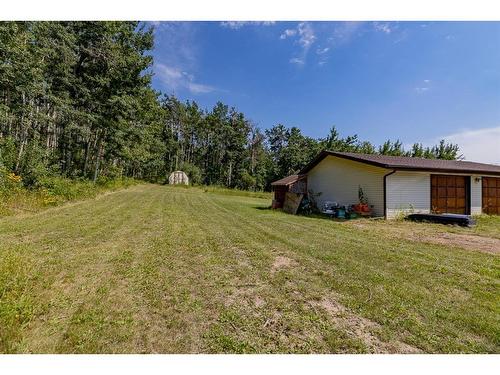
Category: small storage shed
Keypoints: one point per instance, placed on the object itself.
(178, 177)
(295, 183)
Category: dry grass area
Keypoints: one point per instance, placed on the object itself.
(155, 269)
(484, 237)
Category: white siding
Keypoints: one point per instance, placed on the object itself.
(476, 195)
(408, 192)
(339, 179)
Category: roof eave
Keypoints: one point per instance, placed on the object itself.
(323, 154)
(300, 176)
(445, 170)
(326, 153)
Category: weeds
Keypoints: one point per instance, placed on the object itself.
(50, 191)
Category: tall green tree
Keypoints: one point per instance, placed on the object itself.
(76, 101)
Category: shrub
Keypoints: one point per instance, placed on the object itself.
(193, 172)
(247, 181)
(50, 191)
(9, 183)
(33, 166)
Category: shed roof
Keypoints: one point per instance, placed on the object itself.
(288, 180)
(409, 163)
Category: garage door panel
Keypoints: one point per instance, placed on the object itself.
(449, 193)
(491, 195)
(441, 202)
(451, 202)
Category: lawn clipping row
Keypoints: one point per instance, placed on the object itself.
(157, 269)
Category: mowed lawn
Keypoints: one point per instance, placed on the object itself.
(156, 269)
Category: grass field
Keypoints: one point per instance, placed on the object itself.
(156, 269)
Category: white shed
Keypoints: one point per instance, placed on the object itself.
(395, 184)
(178, 178)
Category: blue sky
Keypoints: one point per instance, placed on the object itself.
(413, 81)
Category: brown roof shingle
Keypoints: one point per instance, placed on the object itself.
(410, 163)
(287, 180)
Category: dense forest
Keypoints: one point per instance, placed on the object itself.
(76, 101)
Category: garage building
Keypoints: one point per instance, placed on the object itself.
(395, 185)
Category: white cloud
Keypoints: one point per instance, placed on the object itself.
(235, 25)
(321, 51)
(297, 60)
(176, 44)
(330, 35)
(305, 37)
(398, 33)
(383, 27)
(322, 57)
(424, 87)
(198, 88)
(178, 56)
(344, 32)
(480, 145)
(306, 34)
(288, 33)
(175, 78)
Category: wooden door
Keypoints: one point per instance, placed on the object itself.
(449, 194)
(491, 195)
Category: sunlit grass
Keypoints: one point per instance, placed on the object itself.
(163, 269)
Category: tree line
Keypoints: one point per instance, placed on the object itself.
(76, 101)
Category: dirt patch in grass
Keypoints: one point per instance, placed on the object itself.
(432, 234)
(259, 302)
(465, 241)
(281, 262)
(242, 294)
(361, 328)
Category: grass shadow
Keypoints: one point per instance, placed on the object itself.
(263, 208)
